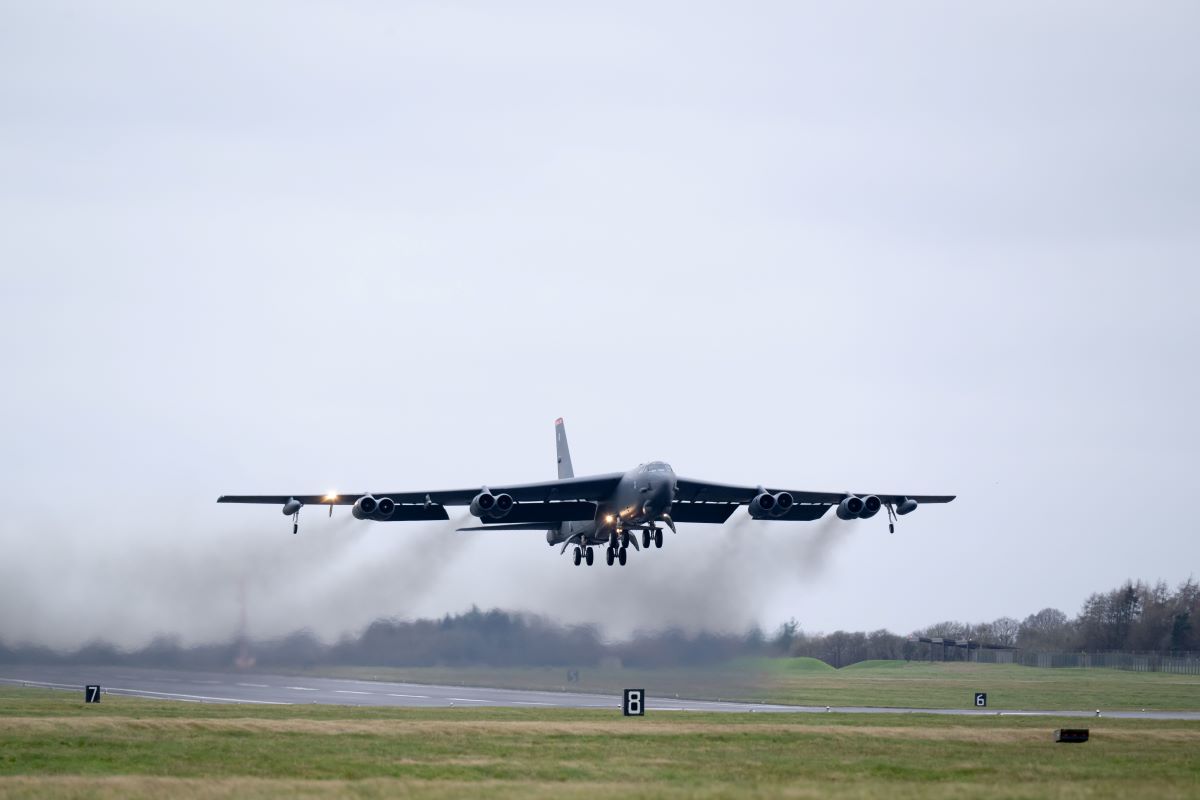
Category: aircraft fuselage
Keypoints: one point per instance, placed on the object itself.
(641, 498)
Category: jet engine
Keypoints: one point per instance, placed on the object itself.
(766, 505)
(496, 506)
(365, 507)
(871, 506)
(385, 507)
(850, 508)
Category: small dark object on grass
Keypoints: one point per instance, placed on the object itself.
(1071, 735)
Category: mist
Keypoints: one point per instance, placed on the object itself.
(75, 584)
(339, 574)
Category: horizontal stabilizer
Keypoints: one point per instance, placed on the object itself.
(514, 526)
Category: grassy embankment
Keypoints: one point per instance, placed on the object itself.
(51, 744)
(806, 681)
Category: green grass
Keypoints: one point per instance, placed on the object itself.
(805, 681)
(51, 744)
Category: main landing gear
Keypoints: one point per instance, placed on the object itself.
(584, 554)
(616, 554)
(652, 535)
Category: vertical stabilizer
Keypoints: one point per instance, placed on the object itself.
(565, 470)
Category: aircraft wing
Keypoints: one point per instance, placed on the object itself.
(588, 489)
(694, 491)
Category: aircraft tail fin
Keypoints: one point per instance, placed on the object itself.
(565, 470)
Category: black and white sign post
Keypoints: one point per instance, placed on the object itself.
(91, 694)
(981, 699)
(635, 703)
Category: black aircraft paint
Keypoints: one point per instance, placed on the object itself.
(604, 509)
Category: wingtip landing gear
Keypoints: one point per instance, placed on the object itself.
(295, 523)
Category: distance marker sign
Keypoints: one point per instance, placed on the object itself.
(981, 699)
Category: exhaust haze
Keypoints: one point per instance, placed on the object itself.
(338, 575)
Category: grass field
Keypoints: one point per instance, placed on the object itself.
(51, 744)
(806, 681)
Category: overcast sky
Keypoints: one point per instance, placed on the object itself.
(289, 247)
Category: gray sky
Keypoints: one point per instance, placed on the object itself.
(930, 247)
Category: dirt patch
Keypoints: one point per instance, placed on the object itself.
(120, 726)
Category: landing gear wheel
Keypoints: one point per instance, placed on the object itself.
(657, 538)
(578, 556)
(645, 539)
(608, 556)
(589, 556)
(621, 556)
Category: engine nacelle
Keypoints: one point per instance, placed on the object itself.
(906, 505)
(291, 506)
(850, 508)
(365, 507)
(762, 505)
(495, 506)
(769, 506)
(871, 506)
(385, 507)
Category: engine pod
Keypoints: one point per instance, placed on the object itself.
(364, 507)
(850, 508)
(871, 506)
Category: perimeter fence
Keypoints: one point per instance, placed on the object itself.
(1178, 663)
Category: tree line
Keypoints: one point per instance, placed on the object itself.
(1134, 617)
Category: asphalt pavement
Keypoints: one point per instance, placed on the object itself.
(256, 688)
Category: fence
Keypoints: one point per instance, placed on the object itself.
(1178, 663)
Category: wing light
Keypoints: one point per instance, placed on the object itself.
(330, 497)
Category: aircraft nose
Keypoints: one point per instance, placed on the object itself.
(660, 501)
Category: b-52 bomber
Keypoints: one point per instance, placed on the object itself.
(608, 510)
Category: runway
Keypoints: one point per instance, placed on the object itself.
(265, 689)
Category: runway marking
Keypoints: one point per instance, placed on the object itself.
(300, 688)
(348, 691)
(418, 696)
(469, 700)
(200, 697)
(255, 685)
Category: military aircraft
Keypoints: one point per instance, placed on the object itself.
(602, 509)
